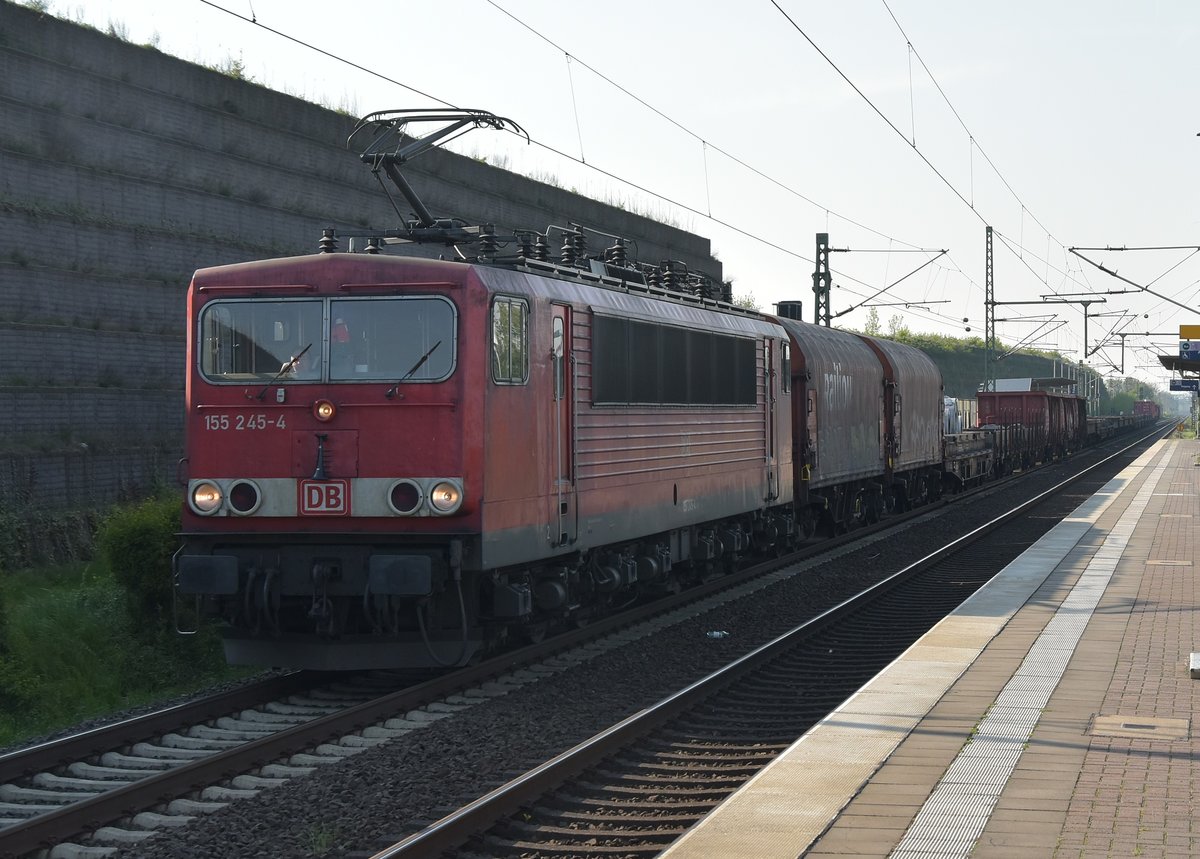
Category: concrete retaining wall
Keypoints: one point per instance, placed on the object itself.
(122, 170)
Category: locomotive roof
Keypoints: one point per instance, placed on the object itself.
(601, 293)
(631, 301)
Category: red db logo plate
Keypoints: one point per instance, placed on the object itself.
(324, 498)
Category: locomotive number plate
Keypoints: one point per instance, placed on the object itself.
(324, 498)
(244, 422)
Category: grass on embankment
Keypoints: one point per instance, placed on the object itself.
(71, 649)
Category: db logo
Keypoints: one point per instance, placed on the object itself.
(324, 497)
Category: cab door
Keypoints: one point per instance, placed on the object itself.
(564, 517)
(770, 404)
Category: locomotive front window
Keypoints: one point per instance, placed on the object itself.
(253, 340)
(392, 339)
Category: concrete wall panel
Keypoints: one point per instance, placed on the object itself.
(122, 171)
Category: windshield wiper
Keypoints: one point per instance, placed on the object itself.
(391, 392)
(286, 368)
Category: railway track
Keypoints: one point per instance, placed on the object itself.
(91, 794)
(94, 793)
(633, 789)
(58, 789)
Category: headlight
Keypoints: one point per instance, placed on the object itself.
(324, 410)
(405, 497)
(206, 498)
(244, 497)
(445, 497)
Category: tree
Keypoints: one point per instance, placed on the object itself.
(747, 301)
(1121, 404)
(873, 328)
(897, 330)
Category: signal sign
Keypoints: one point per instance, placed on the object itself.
(1189, 342)
(324, 497)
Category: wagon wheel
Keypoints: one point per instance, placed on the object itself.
(858, 510)
(875, 505)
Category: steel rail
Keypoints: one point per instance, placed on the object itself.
(65, 750)
(88, 814)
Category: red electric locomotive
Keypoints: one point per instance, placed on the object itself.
(398, 461)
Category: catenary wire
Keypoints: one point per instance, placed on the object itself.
(695, 135)
(934, 315)
(562, 154)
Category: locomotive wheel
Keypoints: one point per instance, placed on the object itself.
(533, 633)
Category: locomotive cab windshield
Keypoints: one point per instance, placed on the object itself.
(367, 339)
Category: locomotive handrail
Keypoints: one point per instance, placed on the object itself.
(265, 287)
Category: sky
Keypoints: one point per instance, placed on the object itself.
(899, 127)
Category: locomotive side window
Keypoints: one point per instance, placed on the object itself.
(636, 363)
(557, 344)
(510, 341)
(252, 340)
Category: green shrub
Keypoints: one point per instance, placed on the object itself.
(136, 543)
(54, 641)
(70, 651)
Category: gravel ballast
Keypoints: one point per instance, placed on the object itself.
(374, 797)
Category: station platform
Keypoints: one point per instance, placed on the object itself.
(1051, 715)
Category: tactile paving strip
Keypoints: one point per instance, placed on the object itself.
(952, 819)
